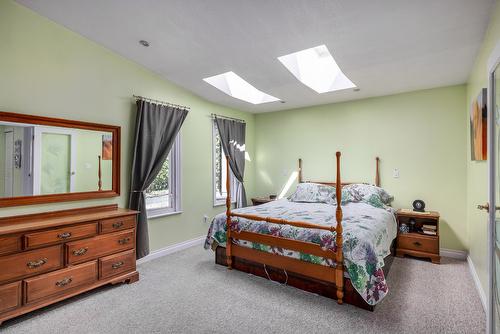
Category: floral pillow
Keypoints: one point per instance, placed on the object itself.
(349, 196)
(313, 193)
(373, 195)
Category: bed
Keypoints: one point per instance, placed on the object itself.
(339, 249)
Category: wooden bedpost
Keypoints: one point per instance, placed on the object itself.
(300, 170)
(229, 257)
(377, 172)
(339, 269)
(99, 175)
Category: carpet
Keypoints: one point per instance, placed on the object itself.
(186, 292)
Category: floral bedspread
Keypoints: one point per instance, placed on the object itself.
(367, 232)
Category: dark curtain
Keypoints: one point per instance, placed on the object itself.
(232, 134)
(155, 130)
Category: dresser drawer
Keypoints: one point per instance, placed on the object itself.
(60, 234)
(116, 264)
(89, 249)
(10, 244)
(59, 281)
(10, 296)
(30, 263)
(419, 243)
(117, 224)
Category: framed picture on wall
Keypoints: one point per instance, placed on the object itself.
(478, 127)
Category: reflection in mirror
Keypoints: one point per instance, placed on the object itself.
(41, 160)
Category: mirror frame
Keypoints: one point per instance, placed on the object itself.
(76, 196)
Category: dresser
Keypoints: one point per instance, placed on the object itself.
(48, 257)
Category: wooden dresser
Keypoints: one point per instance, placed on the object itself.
(48, 257)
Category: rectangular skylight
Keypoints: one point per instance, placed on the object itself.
(316, 68)
(233, 85)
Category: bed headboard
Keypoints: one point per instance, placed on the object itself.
(332, 183)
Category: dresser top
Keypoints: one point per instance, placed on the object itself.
(17, 224)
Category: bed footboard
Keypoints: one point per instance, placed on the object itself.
(333, 275)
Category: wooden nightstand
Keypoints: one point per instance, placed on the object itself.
(261, 200)
(416, 242)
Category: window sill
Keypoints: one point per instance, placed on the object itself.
(163, 214)
(222, 204)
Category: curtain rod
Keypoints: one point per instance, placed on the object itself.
(138, 97)
(227, 117)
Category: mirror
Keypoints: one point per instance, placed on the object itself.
(47, 160)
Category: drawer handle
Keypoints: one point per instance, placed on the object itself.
(80, 251)
(123, 241)
(117, 265)
(65, 281)
(36, 264)
(64, 235)
(418, 244)
(117, 225)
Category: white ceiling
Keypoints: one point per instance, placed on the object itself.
(384, 47)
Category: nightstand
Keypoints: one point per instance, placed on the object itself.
(261, 200)
(422, 236)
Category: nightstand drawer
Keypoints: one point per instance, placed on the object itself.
(419, 243)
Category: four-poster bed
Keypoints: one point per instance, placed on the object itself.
(328, 280)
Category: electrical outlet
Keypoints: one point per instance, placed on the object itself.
(395, 173)
(205, 219)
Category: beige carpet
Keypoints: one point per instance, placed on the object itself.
(187, 293)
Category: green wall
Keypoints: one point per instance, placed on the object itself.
(48, 70)
(420, 133)
(477, 171)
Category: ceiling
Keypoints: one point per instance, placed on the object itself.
(384, 47)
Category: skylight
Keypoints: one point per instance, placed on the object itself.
(316, 68)
(233, 85)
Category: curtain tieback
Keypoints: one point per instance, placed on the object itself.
(137, 191)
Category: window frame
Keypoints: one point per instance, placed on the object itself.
(175, 193)
(234, 181)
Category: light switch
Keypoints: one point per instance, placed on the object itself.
(395, 173)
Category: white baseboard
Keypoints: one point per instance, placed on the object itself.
(475, 277)
(172, 249)
(454, 254)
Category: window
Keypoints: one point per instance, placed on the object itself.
(234, 85)
(316, 68)
(163, 196)
(220, 171)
